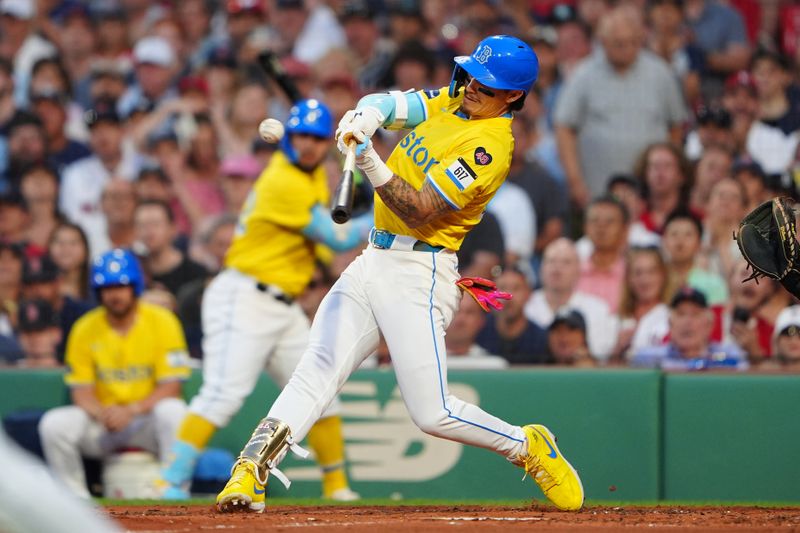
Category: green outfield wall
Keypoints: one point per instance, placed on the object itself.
(632, 434)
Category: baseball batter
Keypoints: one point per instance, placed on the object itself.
(250, 319)
(429, 194)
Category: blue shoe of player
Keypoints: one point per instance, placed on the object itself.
(244, 492)
(164, 490)
(550, 470)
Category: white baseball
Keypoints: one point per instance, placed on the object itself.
(271, 130)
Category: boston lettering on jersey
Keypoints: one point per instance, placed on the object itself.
(130, 373)
(417, 151)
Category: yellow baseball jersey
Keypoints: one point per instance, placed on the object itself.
(126, 368)
(268, 243)
(465, 160)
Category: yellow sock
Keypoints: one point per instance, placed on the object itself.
(196, 430)
(326, 439)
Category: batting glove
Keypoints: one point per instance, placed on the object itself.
(359, 124)
(484, 292)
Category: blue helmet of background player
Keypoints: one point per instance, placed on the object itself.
(498, 62)
(310, 117)
(117, 268)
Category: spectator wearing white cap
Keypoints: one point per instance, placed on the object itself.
(20, 43)
(155, 68)
(786, 341)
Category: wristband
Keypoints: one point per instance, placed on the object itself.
(374, 168)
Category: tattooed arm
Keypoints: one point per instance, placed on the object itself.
(415, 208)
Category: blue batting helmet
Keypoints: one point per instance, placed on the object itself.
(499, 62)
(311, 117)
(117, 267)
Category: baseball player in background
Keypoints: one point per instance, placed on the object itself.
(251, 321)
(126, 361)
(429, 194)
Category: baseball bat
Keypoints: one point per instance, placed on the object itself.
(342, 207)
(272, 67)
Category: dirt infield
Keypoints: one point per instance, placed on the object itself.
(434, 519)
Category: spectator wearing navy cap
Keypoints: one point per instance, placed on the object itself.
(407, 23)
(754, 180)
(39, 334)
(111, 24)
(83, 181)
(566, 340)
(373, 52)
(76, 39)
(107, 81)
(50, 105)
(27, 145)
(690, 347)
(739, 99)
(772, 75)
(508, 332)
(41, 280)
(714, 127)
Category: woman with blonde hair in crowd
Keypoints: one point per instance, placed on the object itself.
(643, 310)
(69, 249)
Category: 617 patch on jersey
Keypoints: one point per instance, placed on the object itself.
(461, 174)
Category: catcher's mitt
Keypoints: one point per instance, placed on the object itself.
(767, 238)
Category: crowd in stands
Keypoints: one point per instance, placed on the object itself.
(654, 127)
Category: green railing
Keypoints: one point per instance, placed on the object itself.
(632, 434)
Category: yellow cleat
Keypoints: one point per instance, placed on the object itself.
(244, 492)
(548, 468)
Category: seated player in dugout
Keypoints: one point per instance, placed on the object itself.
(250, 315)
(431, 191)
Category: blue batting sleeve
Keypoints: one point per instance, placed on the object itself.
(386, 103)
(338, 237)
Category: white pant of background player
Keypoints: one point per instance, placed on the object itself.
(411, 297)
(69, 432)
(245, 331)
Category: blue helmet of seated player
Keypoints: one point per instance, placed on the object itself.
(309, 131)
(117, 268)
(498, 62)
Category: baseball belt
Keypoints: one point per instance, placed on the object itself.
(385, 240)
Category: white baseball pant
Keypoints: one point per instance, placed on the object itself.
(245, 331)
(69, 432)
(31, 500)
(411, 297)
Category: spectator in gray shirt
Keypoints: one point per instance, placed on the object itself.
(616, 103)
